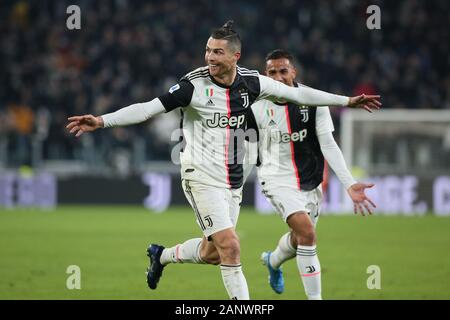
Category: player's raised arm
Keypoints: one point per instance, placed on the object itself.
(132, 114)
(303, 95)
(178, 96)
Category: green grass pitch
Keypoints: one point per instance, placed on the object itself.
(109, 245)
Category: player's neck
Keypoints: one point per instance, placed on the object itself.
(226, 79)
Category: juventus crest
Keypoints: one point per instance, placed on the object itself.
(305, 115)
(244, 96)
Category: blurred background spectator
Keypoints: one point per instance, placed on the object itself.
(131, 51)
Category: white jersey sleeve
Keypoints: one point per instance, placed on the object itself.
(324, 123)
(134, 113)
(332, 153)
(179, 95)
(274, 90)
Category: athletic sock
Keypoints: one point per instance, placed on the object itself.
(309, 268)
(235, 282)
(283, 252)
(187, 252)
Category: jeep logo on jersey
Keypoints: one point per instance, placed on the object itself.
(224, 121)
(244, 97)
(279, 137)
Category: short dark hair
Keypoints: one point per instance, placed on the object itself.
(226, 32)
(281, 54)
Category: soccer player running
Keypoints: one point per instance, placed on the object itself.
(293, 142)
(213, 101)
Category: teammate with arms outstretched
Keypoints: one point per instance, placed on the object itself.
(213, 101)
(293, 142)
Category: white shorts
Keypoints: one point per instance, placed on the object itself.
(215, 208)
(287, 201)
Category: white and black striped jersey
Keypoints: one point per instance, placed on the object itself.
(288, 148)
(214, 117)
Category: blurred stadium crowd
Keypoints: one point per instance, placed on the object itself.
(131, 51)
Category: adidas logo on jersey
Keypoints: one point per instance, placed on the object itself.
(210, 103)
(278, 137)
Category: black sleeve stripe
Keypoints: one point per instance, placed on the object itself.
(248, 74)
(179, 98)
(199, 76)
(193, 76)
(253, 74)
(197, 72)
(245, 71)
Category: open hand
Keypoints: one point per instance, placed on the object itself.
(366, 102)
(86, 123)
(359, 198)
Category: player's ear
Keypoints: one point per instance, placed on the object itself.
(294, 70)
(237, 55)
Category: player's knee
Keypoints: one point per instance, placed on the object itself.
(230, 248)
(214, 261)
(233, 247)
(212, 258)
(307, 237)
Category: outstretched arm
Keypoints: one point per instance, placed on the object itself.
(303, 95)
(179, 95)
(355, 190)
(135, 113)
